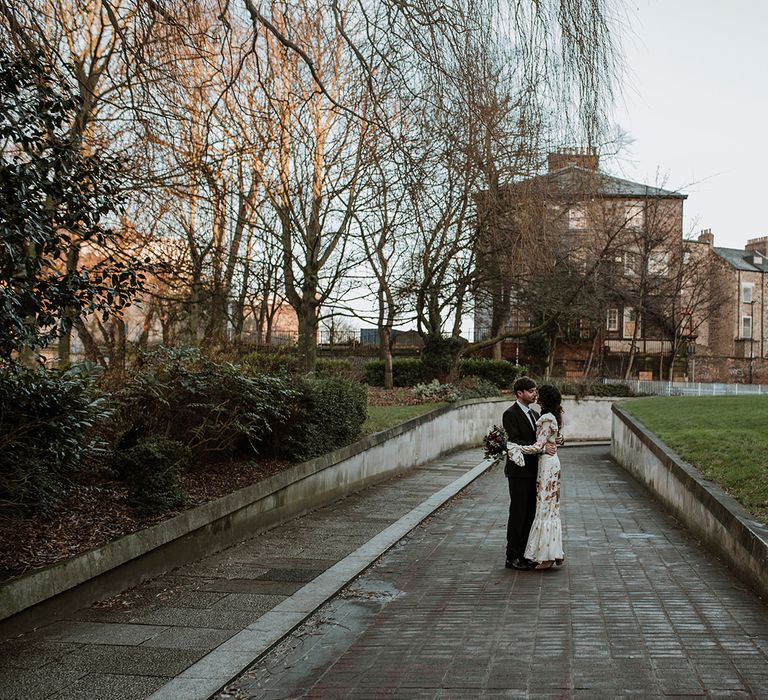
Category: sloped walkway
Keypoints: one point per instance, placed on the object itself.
(639, 610)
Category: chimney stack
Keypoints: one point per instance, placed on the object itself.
(758, 245)
(583, 157)
(706, 236)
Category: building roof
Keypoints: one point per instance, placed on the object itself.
(739, 259)
(574, 178)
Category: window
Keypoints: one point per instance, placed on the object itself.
(746, 292)
(577, 218)
(612, 319)
(686, 257)
(634, 214)
(746, 327)
(658, 263)
(631, 322)
(630, 263)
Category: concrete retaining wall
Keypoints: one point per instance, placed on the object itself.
(709, 513)
(199, 531)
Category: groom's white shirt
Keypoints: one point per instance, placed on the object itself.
(525, 408)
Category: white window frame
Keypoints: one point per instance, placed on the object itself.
(746, 321)
(612, 319)
(747, 292)
(627, 325)
(630, 263)
(658, 263)
(577, 218)
(634, 213)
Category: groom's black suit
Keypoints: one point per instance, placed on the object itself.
(522, 481)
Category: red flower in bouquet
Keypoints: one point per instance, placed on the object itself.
(495, 443)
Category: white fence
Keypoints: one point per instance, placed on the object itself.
(691, 388)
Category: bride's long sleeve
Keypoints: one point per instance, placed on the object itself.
(542, 435)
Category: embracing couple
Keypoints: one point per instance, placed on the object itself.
(534, 530)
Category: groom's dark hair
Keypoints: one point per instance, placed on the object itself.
(523, 384)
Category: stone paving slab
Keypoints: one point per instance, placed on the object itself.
(639, 611)
(164, 629)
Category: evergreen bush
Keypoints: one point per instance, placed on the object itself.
(152, 470)
(406, 371)
(476, 388)
(329, 415)
(501, 372)
(214, 408)
(49, 431)
(270, 362)
(336, 368)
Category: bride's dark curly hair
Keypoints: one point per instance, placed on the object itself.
(550, 400)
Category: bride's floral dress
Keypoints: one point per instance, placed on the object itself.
(545, 542)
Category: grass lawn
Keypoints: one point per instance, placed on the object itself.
(724, 437)
(383, 417)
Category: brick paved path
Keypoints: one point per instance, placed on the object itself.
(638, 611)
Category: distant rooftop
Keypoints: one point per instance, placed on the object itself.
(575, 178)
(741, 259)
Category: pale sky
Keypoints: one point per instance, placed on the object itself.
(695, 103)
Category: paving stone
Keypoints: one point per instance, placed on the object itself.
(254, 602)
(190, 617)
(302, 575)
(97, 633)
(135, 661)
(111, 687)
(40, 682)
(21, 654)
(190, 638)
(282, 588)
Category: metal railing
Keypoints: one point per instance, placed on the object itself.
(669, 388)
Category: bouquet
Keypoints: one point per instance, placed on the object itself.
(495, 443)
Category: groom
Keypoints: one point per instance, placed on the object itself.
(519, 422)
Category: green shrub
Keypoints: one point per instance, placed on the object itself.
(406, 371)
(439, 354)
(214, 408)
(336, 368)
(611, 389)
(152, 470)
(329, 415)
(435, 391)
(49, 424)
(466, 388)
(501, 372)
(270, 362)
(580, 389)
(476, 388)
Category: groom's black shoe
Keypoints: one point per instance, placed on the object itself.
(520, 564)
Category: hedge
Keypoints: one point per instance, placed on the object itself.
(411, 371)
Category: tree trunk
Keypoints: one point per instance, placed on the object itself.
(92, 353)
(69, 314)
(307, 345)
(385, 347)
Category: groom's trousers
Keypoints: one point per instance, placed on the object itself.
(522, 509)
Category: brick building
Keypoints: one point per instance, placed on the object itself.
(617, 243)
(733, 343)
